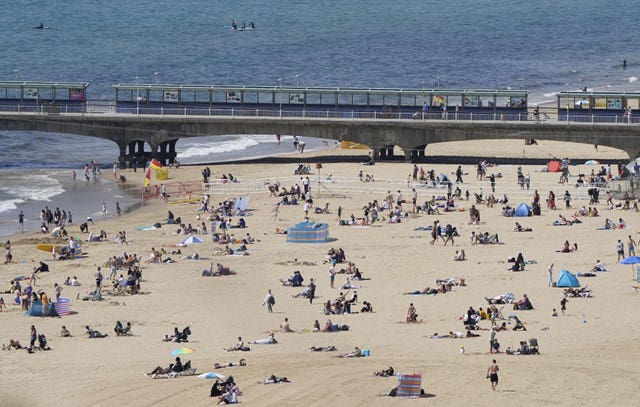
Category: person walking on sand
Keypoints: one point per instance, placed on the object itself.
(563, 305)
(312, 291)
(332, 274)
(492, 374)
(104, 209)
(269, 301)
(631, 246)
(620, 249)
(550, 275)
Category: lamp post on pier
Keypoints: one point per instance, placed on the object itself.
(17, 72)
(156, 75)
(280, 85)
(423, 101)
(298, 80)
(137, 97)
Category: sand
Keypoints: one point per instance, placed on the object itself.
(588, 357)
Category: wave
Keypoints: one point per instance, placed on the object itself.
(632, 79)
(10, 204)
(35, 187)
(213, 147)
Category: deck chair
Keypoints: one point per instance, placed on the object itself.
(533, 346)
(409, 385)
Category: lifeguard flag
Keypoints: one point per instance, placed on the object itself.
(147, 177)
(155, 164)
(438, 100)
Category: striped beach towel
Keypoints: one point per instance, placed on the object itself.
(409, 385)
(62, 306)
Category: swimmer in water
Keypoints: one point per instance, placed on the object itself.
(234, 26)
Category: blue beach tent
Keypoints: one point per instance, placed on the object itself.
(567, 279)
(36, 310)
(523, 210)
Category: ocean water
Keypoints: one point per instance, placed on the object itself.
(545, 46)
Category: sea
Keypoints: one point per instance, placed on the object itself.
(544, 46)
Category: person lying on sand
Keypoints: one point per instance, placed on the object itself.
(270, 340)
(92, 333)
(329, 348)
(238, 347)
(424, 291)
(13, 344)
(275, 379)
(242, 362)
(384, 372)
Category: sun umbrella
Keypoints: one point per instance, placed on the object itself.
(631, 260)
(191, 240)
(592, 162)
(211, 375)
(182, 351)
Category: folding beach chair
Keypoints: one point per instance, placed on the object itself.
(409, 385)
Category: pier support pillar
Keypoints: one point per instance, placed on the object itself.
(122, 158)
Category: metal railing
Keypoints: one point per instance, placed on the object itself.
(110, 107)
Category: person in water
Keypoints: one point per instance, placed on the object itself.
(252, 25)
(234, 26)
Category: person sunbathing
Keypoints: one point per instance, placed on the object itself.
(348, 285)
(13, 344)
(65, 332)
(217, 365)
(520, 228)
(460, 256)
(173, 367)
(275, 379)
(92, 333)
(329, 348)
(566, 247)
(455, 335)
(598, 267)
(294, 281)
(424, 291)
(471, 334)
(355, 353)
(270, 340)
(122, 330)
(385, 372)
(239, 346)
(285, 326)
(304, 293)
(412, 315)
(366, 307)
(502, 327)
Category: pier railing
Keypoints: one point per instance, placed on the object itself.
(110, 108)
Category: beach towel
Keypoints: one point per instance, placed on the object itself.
(409, 385)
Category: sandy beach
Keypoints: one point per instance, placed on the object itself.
(587, 357)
